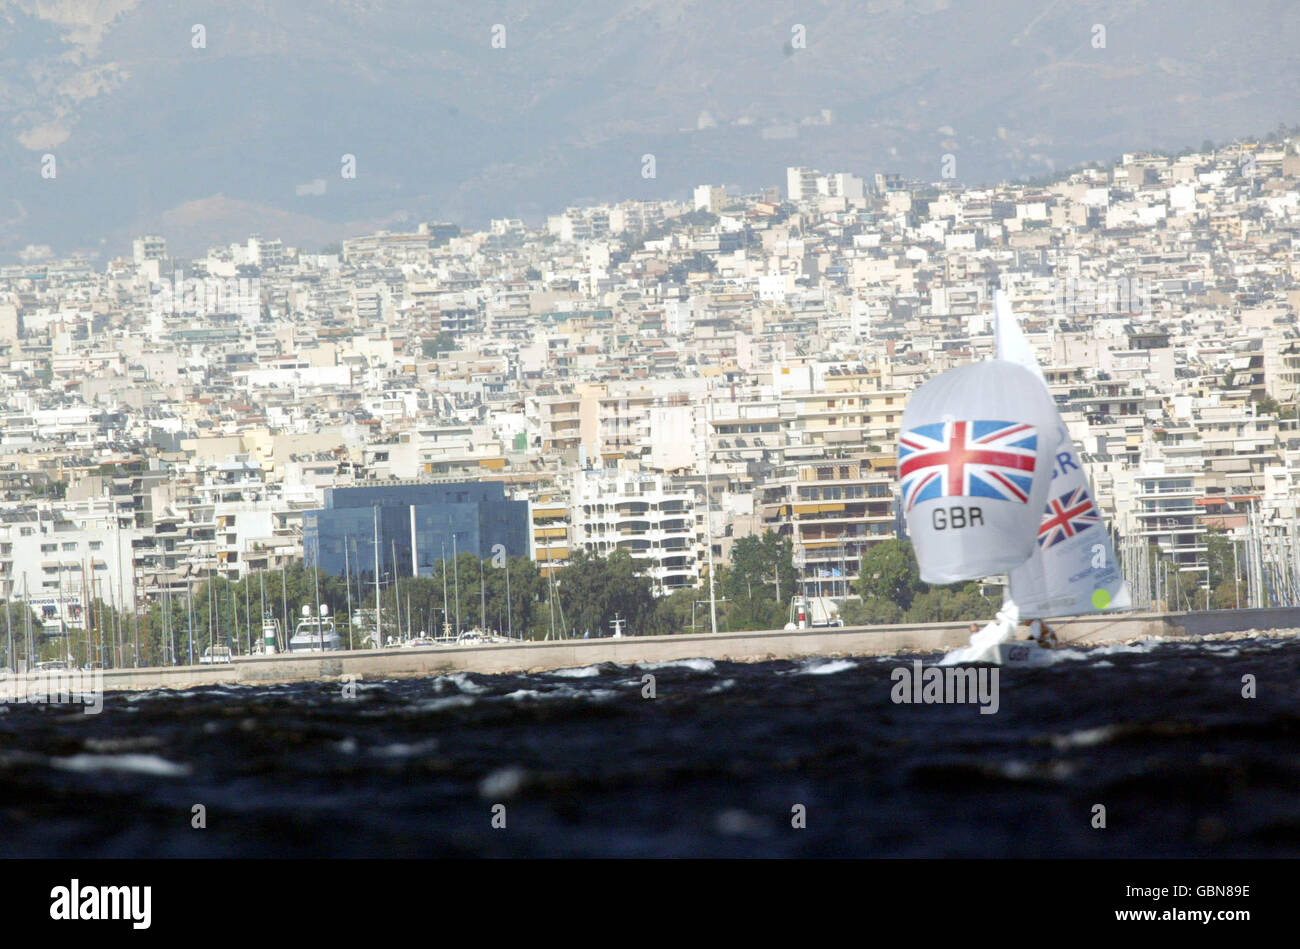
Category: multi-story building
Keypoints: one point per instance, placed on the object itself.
(644, 515)
(418, 525)
(551, 527)
(1169, 518)
(833, 510)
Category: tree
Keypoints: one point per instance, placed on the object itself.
(950, 603)
(873, 612)
(890, 572)
(1228, 595)
(592, 590)
(1227, 574)
(749, 582)
(892, 591)
(444, 342)
(673, 613)
(19, 615)
(698, 218)
(1219, 556)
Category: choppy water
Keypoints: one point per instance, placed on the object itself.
(1158, 734)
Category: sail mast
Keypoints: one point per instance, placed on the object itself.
(379, 636)
(347, 585)
(708, 519)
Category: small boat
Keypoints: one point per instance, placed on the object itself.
(315, 633)
(813, 611)
(476, 637)
(215, 654)
(997, 643)
(419, 641)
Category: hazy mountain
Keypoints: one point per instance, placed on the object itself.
(205, 145)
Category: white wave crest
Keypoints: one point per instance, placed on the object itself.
(460, 681)
(134, 763)
(446, 702)
(824, 667)
(696, 665)
(578, 672)
(565, 692)
(401, 749)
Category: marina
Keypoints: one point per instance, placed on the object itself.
(504, 657)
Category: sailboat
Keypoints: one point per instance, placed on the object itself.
(993, 484)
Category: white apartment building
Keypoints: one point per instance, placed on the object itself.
(710, 198)
(1169, 518)
(643, 515)
(56, 555)
(801, 183)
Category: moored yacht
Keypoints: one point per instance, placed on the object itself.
(315, 633)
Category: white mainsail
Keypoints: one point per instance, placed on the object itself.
(1073, 568)
(975, 454)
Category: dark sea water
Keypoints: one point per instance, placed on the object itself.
(1158, 734)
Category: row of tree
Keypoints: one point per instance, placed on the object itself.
(513, 597)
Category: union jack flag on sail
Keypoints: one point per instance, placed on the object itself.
(1066, 516)
(975, 459)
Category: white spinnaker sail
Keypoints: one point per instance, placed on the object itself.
(1073, 568)
(1010, 341)
(975, 454)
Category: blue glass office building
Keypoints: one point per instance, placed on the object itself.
(475, 514)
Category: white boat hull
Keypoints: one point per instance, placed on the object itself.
(315, 645)
(1016, 652)
(996, 644)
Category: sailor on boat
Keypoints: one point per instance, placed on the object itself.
(1041, 633)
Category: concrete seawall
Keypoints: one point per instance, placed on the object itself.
(741, 646)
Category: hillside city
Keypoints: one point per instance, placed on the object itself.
(661, 378)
